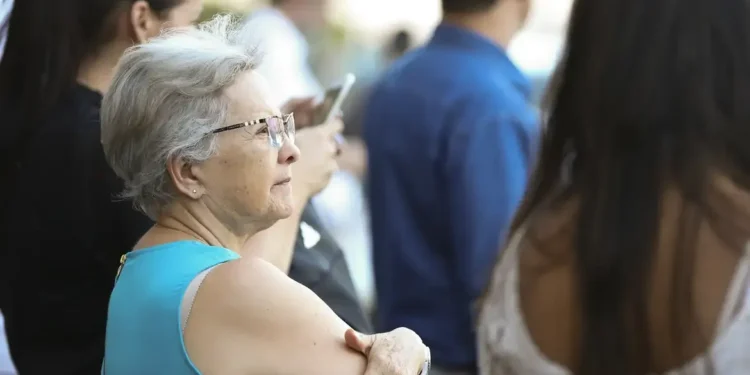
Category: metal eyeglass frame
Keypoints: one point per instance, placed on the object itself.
(276, 138)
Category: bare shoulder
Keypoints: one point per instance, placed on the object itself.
(253, 287)
(248, 274)
(258, 309)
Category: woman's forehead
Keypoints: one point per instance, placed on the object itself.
(250, 98)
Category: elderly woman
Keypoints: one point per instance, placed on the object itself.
(188, 126)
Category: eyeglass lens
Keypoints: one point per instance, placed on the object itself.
(277, 127)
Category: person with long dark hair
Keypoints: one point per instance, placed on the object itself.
(63, 231)
(630, 254)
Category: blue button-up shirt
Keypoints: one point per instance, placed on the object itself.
(450, 135)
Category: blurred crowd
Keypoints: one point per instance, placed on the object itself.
(174, 202)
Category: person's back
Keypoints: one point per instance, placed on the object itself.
(59, 282)
(450, 136)
(532, 315)
(629, 255)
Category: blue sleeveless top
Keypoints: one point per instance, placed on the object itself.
(144, 336)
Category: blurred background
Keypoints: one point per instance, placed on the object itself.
(359, 33)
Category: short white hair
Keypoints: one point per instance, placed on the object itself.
(166, 97)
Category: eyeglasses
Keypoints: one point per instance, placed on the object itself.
(277, 127)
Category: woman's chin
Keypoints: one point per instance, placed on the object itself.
(282, 208)
(286, 212)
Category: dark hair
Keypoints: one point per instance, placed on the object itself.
(648, 96)
(467, 6)
(47, 41)
(399, 43)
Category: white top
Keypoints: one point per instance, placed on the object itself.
(506, 347)
(285, 52)
(6, 364)
(5, 7)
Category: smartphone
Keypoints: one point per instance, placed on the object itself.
(333, 99)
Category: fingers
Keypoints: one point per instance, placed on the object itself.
(304, 110)
(353, 158)
(329, 130)
(332, 150)
(332, 132)
(333, 163)
(333, 127)
(321, 138)
(359, 342)
(399, 352)
(412, 343)
(329, 137)
(299, 104)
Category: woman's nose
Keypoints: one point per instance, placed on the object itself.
(288, 153)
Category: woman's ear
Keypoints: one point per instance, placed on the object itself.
(144, 22)
(184, 178)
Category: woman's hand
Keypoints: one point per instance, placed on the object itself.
(353, 157)
(399, 352)
(317, 162)
(304, 111)
(318, 145)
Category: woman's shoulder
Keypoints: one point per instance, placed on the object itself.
(254, 305)
(246, 274)
(77, 110)
(253, 294)
(252, 286)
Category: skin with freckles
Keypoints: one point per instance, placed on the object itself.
(245, 179)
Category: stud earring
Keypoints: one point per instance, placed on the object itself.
(195, 191)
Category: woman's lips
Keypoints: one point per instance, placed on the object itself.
(284, 181)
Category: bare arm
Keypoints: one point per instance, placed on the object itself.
(250, 318)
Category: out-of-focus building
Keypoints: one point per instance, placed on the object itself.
(361, 27)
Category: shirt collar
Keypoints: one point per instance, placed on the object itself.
(447, 35)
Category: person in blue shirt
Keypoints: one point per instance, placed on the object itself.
(451, 137)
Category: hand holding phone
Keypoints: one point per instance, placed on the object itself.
(333, 99)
